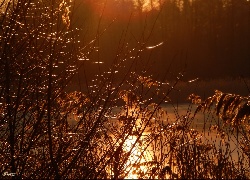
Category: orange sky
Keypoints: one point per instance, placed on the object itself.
(123, 9)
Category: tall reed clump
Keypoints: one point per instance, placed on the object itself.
(228, 117)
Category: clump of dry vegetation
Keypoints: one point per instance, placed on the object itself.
(234, 112)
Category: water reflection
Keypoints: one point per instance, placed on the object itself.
(164, 143)
(138, 156)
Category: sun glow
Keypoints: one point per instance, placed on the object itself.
(147, 5)
(123, 9)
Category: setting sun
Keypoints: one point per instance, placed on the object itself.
(122, 9)
(147, 5)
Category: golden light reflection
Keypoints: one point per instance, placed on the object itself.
(138, 156)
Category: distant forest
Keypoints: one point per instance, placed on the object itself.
(211, 38)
